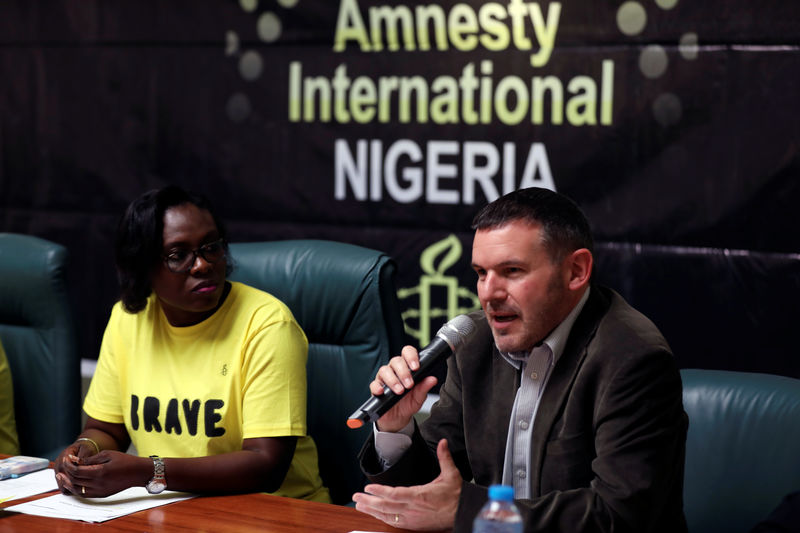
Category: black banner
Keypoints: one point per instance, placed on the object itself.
(388, 124)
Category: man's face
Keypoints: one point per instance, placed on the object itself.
(190, 297)
(523, 293)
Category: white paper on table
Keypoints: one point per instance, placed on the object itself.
(28, 485)
(98, 509)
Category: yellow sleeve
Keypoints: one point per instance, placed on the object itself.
(103, 400)
(274, 380)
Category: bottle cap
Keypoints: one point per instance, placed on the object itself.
(503, 493)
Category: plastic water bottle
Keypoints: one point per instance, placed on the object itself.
(499, 515)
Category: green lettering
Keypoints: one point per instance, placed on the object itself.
(415, 87)
(350, 26)
(581, 108)
(426, 15)
(386, 86)
(468, 84)
(391, 17)
(511, 84)
(444, 106)
(341, 83)
(517, 11)
(607, 93)
(545, 31)
(462, 23)
(497, 35)
(540, 86)
(362, 99)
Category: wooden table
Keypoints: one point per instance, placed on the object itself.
(212, 514)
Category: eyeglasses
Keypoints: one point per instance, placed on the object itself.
(181, 261)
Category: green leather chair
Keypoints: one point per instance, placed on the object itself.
(742, 448)
(37, 332)
(344, 298)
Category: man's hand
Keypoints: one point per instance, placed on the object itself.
(397, 376)
(423, 507)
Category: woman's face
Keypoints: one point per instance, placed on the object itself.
(190, 297)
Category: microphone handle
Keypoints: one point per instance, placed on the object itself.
(376, 406)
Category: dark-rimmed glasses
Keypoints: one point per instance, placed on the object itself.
(181, 261)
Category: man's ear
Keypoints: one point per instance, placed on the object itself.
(580, 264)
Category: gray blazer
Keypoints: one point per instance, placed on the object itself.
(609, 436)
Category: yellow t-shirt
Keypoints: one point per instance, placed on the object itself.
(9, 443)
(200, 390)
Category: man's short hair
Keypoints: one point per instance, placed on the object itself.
(564, 226)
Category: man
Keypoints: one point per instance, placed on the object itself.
(565, 392)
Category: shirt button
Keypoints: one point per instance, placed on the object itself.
(521, 474)
(534, 375)
(523, 424)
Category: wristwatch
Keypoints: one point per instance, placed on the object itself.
(159, 481)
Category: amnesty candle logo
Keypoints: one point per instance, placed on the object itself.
(435, 285)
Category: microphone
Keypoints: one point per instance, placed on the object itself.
(448, 339)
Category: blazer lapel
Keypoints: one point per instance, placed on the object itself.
(559, 385)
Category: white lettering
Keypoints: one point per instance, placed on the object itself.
(412, 175)
(438, 170)
(347, 170)
(537, 164)
(407, 172)
(480, 174)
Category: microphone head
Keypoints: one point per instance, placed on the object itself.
(457, 331)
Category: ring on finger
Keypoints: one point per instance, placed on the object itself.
(83, 490)
(396, 518)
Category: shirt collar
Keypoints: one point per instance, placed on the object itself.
(557, 339)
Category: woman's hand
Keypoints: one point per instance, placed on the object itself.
(104, 474)
(96, 436)
(74, 454)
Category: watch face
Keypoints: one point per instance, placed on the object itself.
(155, 487)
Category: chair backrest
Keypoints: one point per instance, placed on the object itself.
(343, 296)
(742, 449)
(37, 332)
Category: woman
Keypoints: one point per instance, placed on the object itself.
(9, 443)
(205, 376)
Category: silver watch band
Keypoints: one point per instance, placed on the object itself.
(159, 481)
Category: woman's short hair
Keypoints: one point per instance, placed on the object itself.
(139, 242)
(564, 226)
